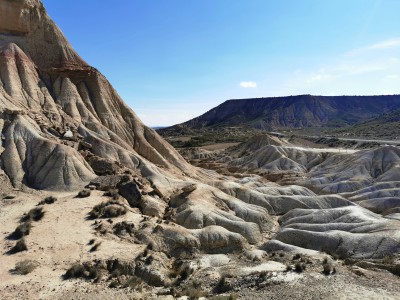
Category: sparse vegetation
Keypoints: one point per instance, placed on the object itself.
(25, 267)
(35, 214)
(84, 193)
(299, 267)
(113, 194)
(19, 246)
(22, 230)
(95, 247)
(124, 228)
(76, 271)
(109, 209)
(86, 271)
(389, 259)
(328, 267)
(134, 283)
(48, 200)
(193, 290)
(222, 286)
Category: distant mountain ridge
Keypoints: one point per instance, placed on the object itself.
(386, 125)
(292, 112)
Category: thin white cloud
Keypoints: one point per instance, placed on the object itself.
(318, 77)
(392, 43)
(382, 45)
(365, 65)
(391, 77)
(373, 69)
(297, 72)
(248, 84)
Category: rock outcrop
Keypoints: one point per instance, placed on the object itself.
(47, 90)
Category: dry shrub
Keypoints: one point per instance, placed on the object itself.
(328, 267)
(85, 271)
(48, 200)
(76, 271)
(193, 290)
(299, 267)
(296, 256)
(388, 259)
(25, 267)
(113, 194)
(19, 246)
(109, 209)
(22, 230)
(222, 286)
(95, 247)
(124, 228)
(35, 214)
(84, 193)
(134, 283)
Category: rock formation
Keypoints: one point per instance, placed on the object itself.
(289, 112)
(146, 217)
(46, 89)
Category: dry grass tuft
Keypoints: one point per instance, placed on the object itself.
(35, 214)
(95, 247)
(299, 267)
(109, 209)
(19, 247)
(84, 193)
(25, 267)
(328, 267)
(48, 200)
(22, 230)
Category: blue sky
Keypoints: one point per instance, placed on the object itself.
(174, 60)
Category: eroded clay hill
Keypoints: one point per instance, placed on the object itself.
(46, 89)
(148, 222)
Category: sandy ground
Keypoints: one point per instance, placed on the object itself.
(344, 285)
(57, 241)
(61, 238)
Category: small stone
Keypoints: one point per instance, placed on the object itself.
(189, 188)
(68, 134)
(86, 145)
(358, 271)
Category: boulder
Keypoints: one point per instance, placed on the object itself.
(130, 191)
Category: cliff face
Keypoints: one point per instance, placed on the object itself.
(26, 23)
(47, 89)
(294, 112)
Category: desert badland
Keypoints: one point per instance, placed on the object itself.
(96, 205)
